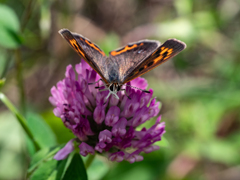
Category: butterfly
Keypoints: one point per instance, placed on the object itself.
(123, 64)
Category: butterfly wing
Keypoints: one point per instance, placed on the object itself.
(124, 60)
(146, 63)
(89, 51)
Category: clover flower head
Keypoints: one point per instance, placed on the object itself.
(106, 126)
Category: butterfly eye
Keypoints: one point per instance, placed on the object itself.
(111, 87)
(118, 88)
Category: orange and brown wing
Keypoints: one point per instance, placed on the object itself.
(127, 58)
(163, 53)
(89, 51)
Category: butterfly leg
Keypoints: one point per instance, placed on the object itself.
(97, 82)
(103, 89)
(110, 92)
(97, 87)
(125, 92)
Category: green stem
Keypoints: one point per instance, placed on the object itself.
(18, 59)
(20, 119)
(20, 81)
(26, 15)
(7, 63)
(89, 160)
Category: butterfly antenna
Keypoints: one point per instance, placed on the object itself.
(97, 82)
(137, 88)
(125, 93)
(97, 87)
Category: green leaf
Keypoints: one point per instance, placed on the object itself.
(8, 18)
(20, 119)
(41, 156)
(221, 151)
(41, 131)
(62, 166)
(36, 128)
(2, 82)
(11, 147)
(98, 169)
(9, 38)
(9, 28)
(62, 133)
(44, 167)
(43, 160)
(45, 170)
(76, 169)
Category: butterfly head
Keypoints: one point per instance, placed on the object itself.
(113, 89)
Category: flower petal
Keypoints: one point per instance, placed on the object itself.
(85, 149)
(118, 156)
(112, 115)
(119, 129)
(99, 114)
(63, 153)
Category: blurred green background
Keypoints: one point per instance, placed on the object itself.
(199, 88)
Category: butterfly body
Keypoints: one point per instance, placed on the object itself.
(126, 63)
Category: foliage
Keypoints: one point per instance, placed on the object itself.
(198, 89)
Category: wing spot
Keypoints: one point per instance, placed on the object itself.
(169, 53)
(158, 59)
(141, 69)
(76, 47)
(126, 48)
(163, 50)
(149, 64)
(165, 53)
(95, 47)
